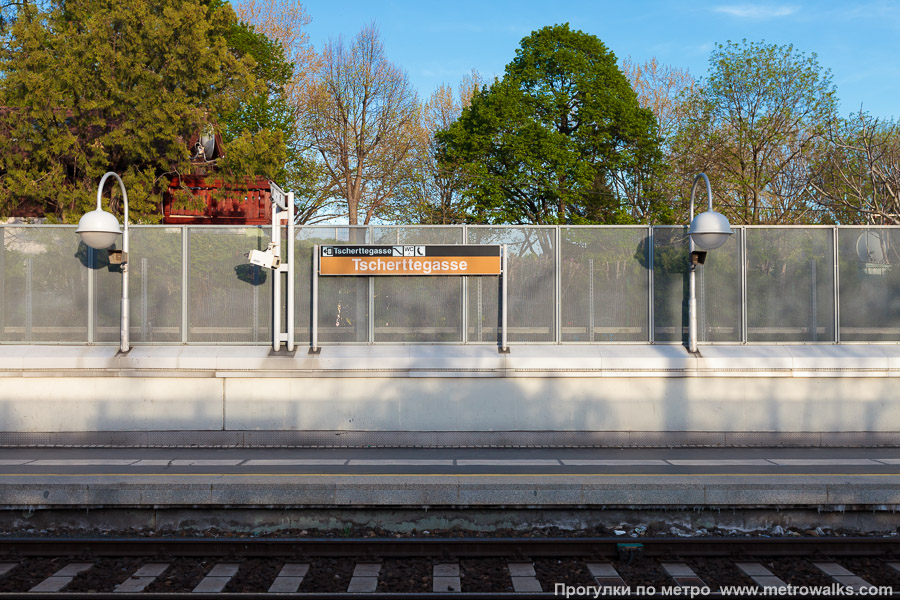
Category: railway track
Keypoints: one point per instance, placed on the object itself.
(442, 567)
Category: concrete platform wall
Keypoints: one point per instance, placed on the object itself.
(616, 389)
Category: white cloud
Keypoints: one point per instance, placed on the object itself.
(756, 11)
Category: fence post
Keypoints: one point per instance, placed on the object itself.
(651, 316)
(464, 290)
(290, 272)
(145, 326)
(558, 284)
(479, 313)
(29, 297)
(837, 283)
(813, 317)
(91, 302)
(591, 299)
(504, 282)
(314, 304)
(254, 312)
(185, 279)
(744, 265)
(703, 324)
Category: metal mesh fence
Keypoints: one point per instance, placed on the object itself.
(531, 309)
(45, 285)
(869, 275)
(604, 284)
(670, 284)
(343, 301)
(229, 300)
(194, 284)
(155, 285)
(718, 287)
(418, 309)
(719, 293)
(790, 284)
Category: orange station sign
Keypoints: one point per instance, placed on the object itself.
(410, 260)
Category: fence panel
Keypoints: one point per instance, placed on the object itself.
(229, 300)
(670, 284)
(45, 285)
(718, 288)
(719, 293)
(869, 264)
(605, 288)
(343, 301)
(46, 295)
(155, 265)
(418, 309)
(790, 284)
(531, 314)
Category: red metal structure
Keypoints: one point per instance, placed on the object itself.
(223, 203)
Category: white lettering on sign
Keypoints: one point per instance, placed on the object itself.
(426, 266)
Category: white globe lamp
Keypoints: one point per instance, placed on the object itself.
(98, 229)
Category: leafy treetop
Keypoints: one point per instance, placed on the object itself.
(90, 86)
(560, 139)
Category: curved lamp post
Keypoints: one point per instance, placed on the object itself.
(99, 229)
(708, 231)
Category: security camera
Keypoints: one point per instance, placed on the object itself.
(268, 258)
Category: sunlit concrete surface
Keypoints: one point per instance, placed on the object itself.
(833, 479)
(618, 389)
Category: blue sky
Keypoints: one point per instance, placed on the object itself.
(438, 42)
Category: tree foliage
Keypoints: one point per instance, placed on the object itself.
(564, 136)
(92, 86)
(858, 177)
(754, 126)
(664, 89)
(434, 193)
(360, 121)
(281, 25)
(560, 139)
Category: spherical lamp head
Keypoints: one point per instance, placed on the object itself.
(98, 229)
(709, 230)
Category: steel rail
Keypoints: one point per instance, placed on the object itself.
(303, 595)
(448, 547)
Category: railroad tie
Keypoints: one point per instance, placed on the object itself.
(365, 578)
(524, 579)
(683, 575)
(841, 575)
(760, 575)
(606, 575)
(289, 578)
(141, 578)
(445, 577)
(7, 567)
(61, 578)
(216, 580)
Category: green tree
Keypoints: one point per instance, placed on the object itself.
(433, 195)
(560, 139)
(272, 34)
(92, 86)
(755, 126)
(857, 180)
(263, 119)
